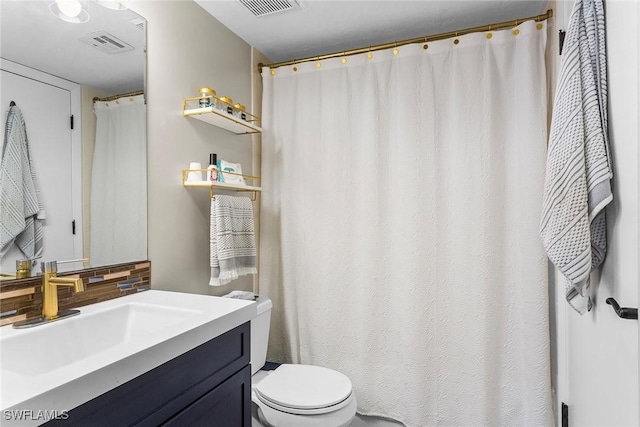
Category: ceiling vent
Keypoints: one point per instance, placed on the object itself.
(269, 7)
(106, 42)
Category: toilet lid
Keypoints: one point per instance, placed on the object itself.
(304, 388)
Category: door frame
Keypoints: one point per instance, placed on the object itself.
(638, 136)
(76, 140)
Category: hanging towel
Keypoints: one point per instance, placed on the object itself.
(232, 239)
(577, 187)
(21, 208)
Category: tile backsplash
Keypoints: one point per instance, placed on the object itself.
(22, 298)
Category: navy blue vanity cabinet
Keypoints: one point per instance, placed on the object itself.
(207, 386)
(223, 406)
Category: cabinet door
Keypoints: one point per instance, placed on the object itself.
(227, 405)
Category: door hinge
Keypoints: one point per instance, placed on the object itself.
(73, 226)
(71, 121)
(561, 35)
(565, 415)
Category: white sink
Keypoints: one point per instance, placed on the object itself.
(68, 340)
(60, 365)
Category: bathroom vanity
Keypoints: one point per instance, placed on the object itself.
(149, 359)
(209, 385)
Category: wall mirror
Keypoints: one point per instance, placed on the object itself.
(89, 155)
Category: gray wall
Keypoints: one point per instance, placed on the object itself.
(188, 49)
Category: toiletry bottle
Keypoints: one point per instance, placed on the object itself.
(212, 169)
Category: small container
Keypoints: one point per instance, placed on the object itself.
(227, 104)
(194, 174)
(23, 269)
(240, 111)
(206, 102)
(212, 170)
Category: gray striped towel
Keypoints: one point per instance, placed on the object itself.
(232, 239)
(21, 209)
(577, 186)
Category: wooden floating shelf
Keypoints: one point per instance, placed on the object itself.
(222, 120)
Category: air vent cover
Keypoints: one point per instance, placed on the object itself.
(268, 7)
(106, 42)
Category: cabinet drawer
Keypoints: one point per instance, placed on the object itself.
(227, 405)
(157, 395)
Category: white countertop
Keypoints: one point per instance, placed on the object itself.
(73, 384)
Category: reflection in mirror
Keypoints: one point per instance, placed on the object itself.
(88, 198)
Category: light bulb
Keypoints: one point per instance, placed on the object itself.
(70, 8)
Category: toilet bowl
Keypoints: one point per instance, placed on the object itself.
(295, 395)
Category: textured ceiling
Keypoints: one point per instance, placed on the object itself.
(326, 26)
(32, 36)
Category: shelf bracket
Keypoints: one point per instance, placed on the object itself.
(213, 196)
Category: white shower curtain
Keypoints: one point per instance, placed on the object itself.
(119, 183)
(400, 208)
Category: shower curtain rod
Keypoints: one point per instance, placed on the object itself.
(424, 39)
(114, 97)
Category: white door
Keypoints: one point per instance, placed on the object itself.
(46, 110)
(601, 367)
(638, 135)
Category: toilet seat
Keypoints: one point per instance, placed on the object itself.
(304, 390)
(267, 416)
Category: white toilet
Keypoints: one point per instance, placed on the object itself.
(295, 395)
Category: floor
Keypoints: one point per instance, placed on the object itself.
(359, 421)
(363, 421)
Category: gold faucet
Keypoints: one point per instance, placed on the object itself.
(50, 283)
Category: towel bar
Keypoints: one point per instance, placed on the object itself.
(623, 312)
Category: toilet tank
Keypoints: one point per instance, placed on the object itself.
(260, 334)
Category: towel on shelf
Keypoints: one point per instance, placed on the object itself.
(21, 208)
(577, 186)
(232, 239)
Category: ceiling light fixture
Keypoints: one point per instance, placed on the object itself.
(73, 11)
(114, 5)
